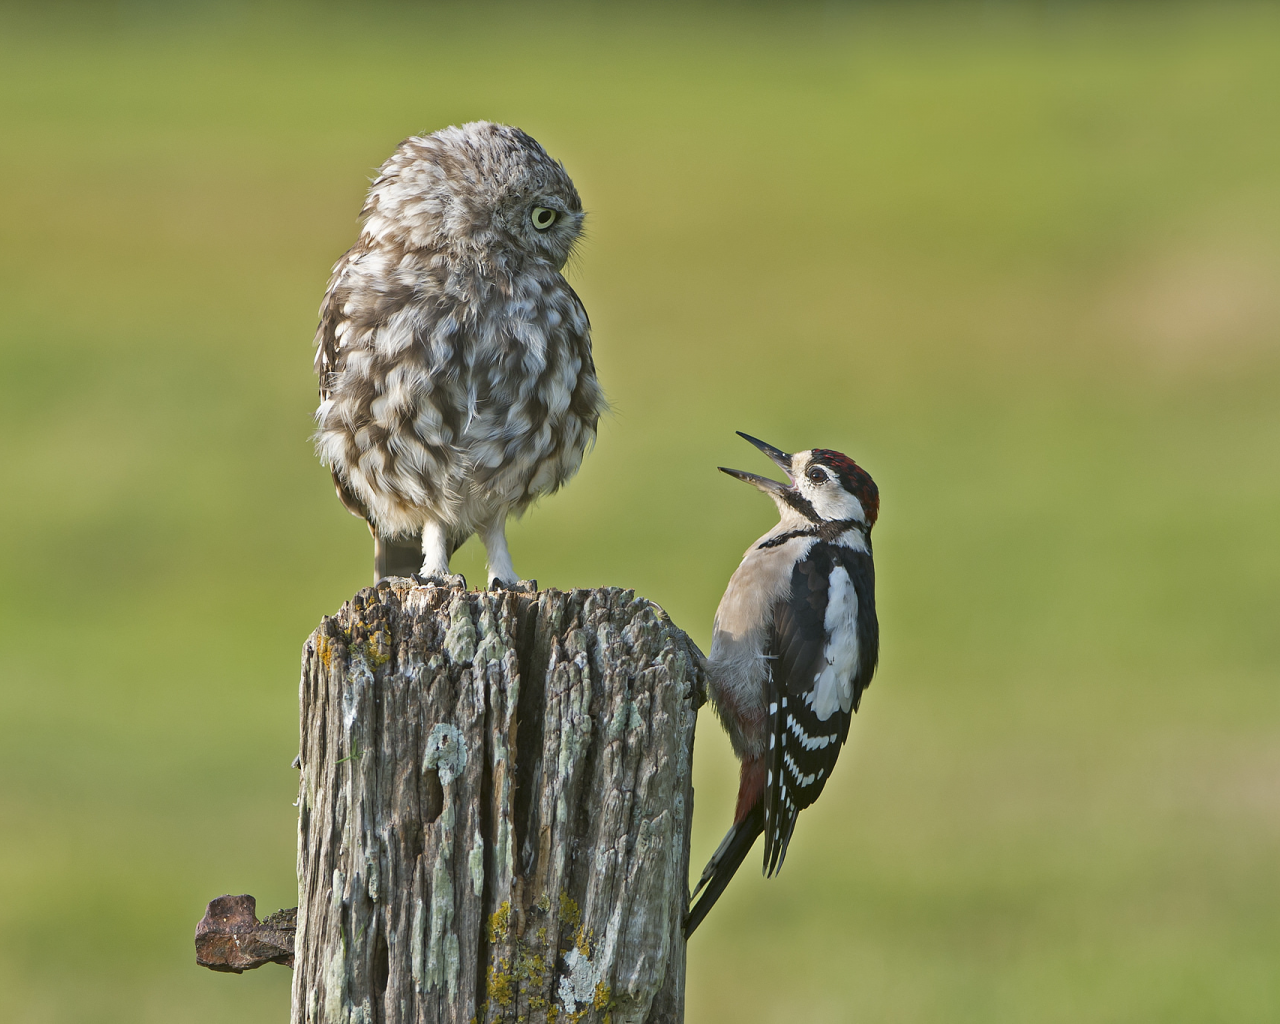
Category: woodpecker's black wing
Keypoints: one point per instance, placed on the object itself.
(825, 643)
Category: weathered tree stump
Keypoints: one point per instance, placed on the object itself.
(494, 809)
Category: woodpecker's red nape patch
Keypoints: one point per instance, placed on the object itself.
(856, 480)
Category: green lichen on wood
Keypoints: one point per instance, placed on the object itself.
(442, 952)
(460, 638)
(475, 862)
(490, 647)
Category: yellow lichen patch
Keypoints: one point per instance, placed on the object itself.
(570, 913)
(378, 649)
(602, 996)
(544, 903)
(583, 940)
(324, 649)
(499, 921)
(499, 987)
(530, 967)
(553, 1012)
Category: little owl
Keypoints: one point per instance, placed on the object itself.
(456, 381)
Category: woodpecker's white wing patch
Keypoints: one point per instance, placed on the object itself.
(833, 685)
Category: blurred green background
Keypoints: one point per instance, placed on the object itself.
(1022, 261)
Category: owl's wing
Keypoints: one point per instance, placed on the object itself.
(329, 355)
(582, 308)
(587, 401)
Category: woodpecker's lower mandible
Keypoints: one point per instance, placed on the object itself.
(795, 642)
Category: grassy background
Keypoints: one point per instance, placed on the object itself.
(1022, 261)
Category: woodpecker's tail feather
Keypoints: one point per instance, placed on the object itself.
(723, 864)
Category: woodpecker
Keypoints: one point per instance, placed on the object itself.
(794, 644)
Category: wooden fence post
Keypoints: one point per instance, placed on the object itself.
(494, 809)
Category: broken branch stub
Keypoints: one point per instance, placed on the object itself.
(231, 938)
(494, 810)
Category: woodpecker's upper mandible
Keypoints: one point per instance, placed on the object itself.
(795, 642)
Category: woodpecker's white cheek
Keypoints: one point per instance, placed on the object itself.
(832, 503)
(833, 687)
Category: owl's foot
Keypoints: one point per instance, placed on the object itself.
(518, 587)
(441, 579)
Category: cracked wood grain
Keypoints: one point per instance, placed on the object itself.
(494, 809)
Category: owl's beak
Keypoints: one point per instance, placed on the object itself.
(780, 458)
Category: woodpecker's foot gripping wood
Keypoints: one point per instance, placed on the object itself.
(494, 809)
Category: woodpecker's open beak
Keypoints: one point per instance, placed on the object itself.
(780, 458)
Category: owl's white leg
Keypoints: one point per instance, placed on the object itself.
(435, 549)
(494, 537)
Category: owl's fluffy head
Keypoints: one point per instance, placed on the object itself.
(476, 192)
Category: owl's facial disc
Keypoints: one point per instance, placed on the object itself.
(543, 217)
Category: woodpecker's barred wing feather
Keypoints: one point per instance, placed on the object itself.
(825, 643)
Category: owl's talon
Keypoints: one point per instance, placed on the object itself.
(518, 587)
(440, 579)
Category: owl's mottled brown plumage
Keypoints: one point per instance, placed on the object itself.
(456, 378)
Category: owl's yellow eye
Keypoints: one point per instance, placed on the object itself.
(543, 217)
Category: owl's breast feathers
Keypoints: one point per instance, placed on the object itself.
(447, 393)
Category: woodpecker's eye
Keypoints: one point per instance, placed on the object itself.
(543, 217)
(817, 475)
